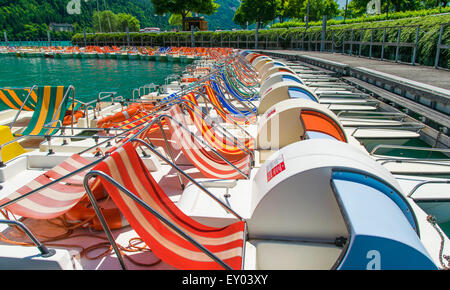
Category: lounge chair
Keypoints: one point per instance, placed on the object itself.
(15, 98)
(174, 237)
(50, 110)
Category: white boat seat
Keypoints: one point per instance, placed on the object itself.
(277, 255)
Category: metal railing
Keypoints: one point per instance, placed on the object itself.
(440, 45)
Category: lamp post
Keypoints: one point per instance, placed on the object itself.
(345, 12)
(307, 15)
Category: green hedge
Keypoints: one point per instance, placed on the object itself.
(426, 47)
(362, 19)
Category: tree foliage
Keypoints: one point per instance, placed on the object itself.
(256, 11)
(176, 20)
(265, 11)
(27, 19)
(359, 7)
(184, 7)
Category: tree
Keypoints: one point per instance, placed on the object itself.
(283, 9)
(106, 20)
(319, 8)
(256, 11)
(31, 31)
(359, 7)
(109, 21)
(176, 20)
(294, 9)
(184, 7)
(126, 20)
(330, 8)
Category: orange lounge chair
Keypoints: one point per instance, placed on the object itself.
(208, 162)
(219, 141)
(54, 200)
(173, 236)
(226, 116)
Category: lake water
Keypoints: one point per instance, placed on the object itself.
(88, 76)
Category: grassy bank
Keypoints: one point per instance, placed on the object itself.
(364, 19)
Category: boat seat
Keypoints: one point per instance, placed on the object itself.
(293, 120)
(9, 151)
(283, 91)
(310, 200)
(207, 162)
(274, 70)
(285, 255)
(53, 199)
(276, 78)
(15, 98)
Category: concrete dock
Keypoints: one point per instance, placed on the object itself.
(418, 90)
(423, 74)
(427, 86)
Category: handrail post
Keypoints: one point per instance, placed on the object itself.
(45, 252)
(413, 58)
(397, 49)
(382, 44)
(438, 47)
(360, 41)
(21, 107)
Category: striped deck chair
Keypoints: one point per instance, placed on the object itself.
(14, 98)
(226, 116)
(219, 141)
(126, 168)
(137, 122)
(50, 99)
(75, 106)
(134, 121)
(226, 103)
(234, 90)
(226, 106)
(238, 77)
(243, 78)
(55, 199)
(206, 161)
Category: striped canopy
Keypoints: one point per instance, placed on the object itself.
(205, 160)
(126, 168)
(14, 98)
(51, 106)
(55, 199)
(216, 139)
(219, 103)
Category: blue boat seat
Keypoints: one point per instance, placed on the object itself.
(299, 93)
(383, 231)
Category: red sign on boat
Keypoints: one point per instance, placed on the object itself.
(275, 167)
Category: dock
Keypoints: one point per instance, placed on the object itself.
(419, 89)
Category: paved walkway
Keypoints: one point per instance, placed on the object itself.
(423, 74)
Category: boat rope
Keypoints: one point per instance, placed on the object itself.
(132, 247)
(432, 220)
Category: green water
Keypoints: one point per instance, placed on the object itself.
(413, 142)
(35, 43)
(445, 228)
(88, 76)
